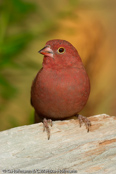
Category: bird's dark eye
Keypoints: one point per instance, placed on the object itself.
(61, 50)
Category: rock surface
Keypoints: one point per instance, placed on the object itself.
(26, 149)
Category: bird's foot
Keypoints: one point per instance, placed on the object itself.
(46, 124)
(83, 119)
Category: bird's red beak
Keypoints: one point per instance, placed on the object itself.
(47, 51)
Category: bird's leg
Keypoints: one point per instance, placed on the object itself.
(83, 119)
(46, 124)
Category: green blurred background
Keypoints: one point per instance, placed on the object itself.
(25, 27)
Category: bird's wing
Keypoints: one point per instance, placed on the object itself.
(31, 92)
(31, 101)
(33, 83)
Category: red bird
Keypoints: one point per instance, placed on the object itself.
(61, 88)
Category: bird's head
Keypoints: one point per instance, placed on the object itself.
(60, 54)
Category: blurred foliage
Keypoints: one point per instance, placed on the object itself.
(14, 35)
(25, 25)
(21, 22)
(13, 13)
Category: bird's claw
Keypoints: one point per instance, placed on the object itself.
(46, 124)
(83, 119)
